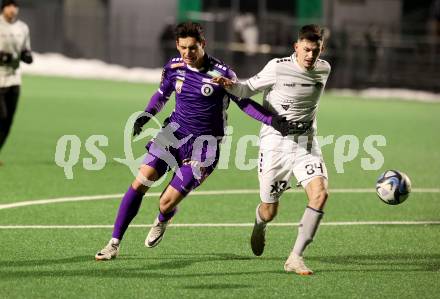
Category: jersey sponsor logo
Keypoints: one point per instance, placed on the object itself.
(318, 84)
(179, 84)
(289, 84)
(207, 90)
(181, 72)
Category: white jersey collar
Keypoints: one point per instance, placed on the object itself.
(300, 67)
(3, 20)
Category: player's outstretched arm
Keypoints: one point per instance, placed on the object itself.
(234, 87)
(258, 112)
(155, 105)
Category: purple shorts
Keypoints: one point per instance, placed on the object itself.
(193, 161)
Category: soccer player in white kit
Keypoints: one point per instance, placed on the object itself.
(291, 88)
(14, 47)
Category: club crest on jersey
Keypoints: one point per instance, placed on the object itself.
(207, 90)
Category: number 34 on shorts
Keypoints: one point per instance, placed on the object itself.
(313, 168)
(279, 166)
(310, 168)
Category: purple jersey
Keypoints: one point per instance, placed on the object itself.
(200, 104)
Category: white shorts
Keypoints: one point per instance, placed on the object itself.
(277, 168)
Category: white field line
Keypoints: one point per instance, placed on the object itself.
(177, 225)
(196, 193)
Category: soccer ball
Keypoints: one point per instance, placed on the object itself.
(393, 187)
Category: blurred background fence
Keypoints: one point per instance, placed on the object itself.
(371, 43)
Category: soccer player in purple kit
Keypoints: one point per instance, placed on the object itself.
(190, 137)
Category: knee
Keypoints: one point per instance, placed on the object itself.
(268, 211)
(146, 176)
(148, 173)
(319, 199)
(166, 204)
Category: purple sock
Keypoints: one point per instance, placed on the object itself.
(167, 216)
(128, 209)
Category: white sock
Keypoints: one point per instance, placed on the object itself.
(307, 229)
(115, 241)
(258, 217)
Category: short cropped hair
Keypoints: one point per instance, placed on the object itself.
(9, 2)
(311, 32)
(190, 29)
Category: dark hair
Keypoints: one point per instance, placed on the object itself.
(190, 29)
(9, 2)
(311, 32)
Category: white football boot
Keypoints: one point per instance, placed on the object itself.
(111, 250)
(295, 263)
(156, 233)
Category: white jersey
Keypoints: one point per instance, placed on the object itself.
(14, 38)
(289, 91)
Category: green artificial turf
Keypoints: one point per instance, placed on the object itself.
(350, 260)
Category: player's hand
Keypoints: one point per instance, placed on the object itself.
(223, 81)
(280, 124)
(5, 58)
(139, 123)
(26, 56)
